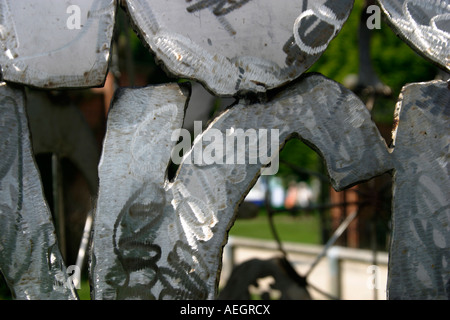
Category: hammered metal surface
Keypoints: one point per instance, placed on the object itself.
(424, 25)
(235, 46)
(132, 173)
(156, 238)
(42, 45)
(160, 238)
(30, 259)
(419, 264)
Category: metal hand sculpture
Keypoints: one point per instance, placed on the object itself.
(168, 236)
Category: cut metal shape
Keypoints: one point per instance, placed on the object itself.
(29, 256)
(155, 238)
(419, 263)
(238, 46)
(56, 44)
(424, 25)
(131, 200)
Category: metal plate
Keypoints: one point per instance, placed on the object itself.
(424, 25)
(419, 263)
(234, 46)
(133, 165)
(155, 238)
(30, 259)
(54, 43)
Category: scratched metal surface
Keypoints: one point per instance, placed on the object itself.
(238, 46)
(419, 264)
(424, 25)
(37, 48)
(132, 173)
(163, 239)
(30, 259)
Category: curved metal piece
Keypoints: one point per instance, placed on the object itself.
(68, 46)
(155, 238)
(419, 262)
(424, 25)
(131, 199)
(233, 47)
(29, 256)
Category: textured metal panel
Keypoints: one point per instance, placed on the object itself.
(419, 264)
(132, 174)
(424, 25)
(29, 256)
(163, 239)
(234, 46)
(42, 44)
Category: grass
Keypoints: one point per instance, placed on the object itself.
(303, 229)
(84, 291)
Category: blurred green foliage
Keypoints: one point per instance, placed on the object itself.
(393, 60)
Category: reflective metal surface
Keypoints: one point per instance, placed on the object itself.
(156, 238)
(424, 25)
(238, 46)
(160, 238)
(419, 264)
(30, 259)
(131, 200)
(54, 43)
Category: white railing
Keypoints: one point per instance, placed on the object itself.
(336, 258)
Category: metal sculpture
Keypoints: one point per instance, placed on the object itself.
(422, 24)
(168, 235)
(216, 42)
(30, 259)
(160, 238)
(419, 263)
(419, 259)
(56, 52)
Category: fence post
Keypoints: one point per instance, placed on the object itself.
(334, 262)
(229, 257)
